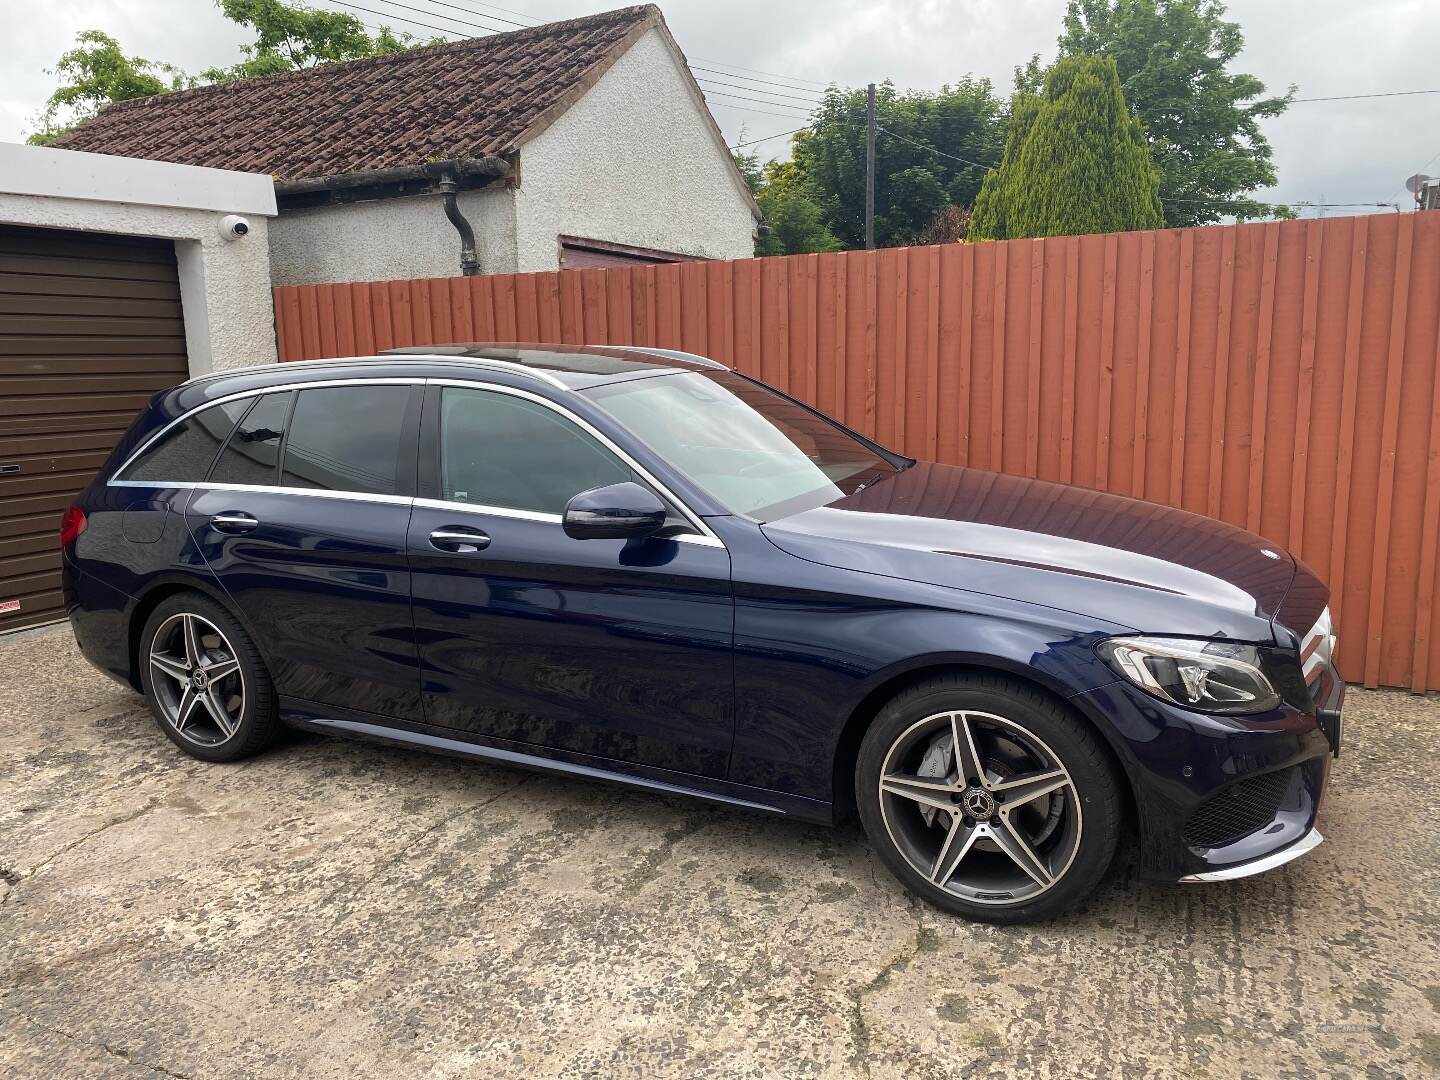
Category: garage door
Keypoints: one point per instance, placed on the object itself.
(90, 327)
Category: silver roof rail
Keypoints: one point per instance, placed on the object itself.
(448, 358)
(670, 354)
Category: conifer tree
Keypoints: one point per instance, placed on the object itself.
(1075, 161)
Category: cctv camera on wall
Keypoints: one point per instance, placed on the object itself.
(233, 226)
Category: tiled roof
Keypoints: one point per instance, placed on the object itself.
(467, 98)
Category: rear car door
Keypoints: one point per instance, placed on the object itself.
(620, 649)
(303, 520)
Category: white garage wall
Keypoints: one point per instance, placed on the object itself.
(634, 162)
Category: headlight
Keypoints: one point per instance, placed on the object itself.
(1211, 676)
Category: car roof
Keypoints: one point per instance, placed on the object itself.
(561, 367)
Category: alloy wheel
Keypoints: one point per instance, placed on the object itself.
(197, 680)
(980, 806)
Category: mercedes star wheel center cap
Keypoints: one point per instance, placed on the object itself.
(978, 804)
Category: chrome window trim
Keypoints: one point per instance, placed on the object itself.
(265, 489)
(696, 522)
(415, 380)
(542, 518)
(705, 536)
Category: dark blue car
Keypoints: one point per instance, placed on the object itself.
(639, 566)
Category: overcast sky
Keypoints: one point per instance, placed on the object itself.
(1343, 151)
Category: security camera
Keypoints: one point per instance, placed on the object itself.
(233, 226)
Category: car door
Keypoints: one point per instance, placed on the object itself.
(620, 649)
(303, 520)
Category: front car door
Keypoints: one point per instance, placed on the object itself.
(619, 649)
(303, 520)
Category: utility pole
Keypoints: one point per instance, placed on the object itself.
(870, 167)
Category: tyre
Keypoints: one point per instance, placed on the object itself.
(988, 799)
(204, 680)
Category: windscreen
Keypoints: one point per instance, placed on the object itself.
(747, 447)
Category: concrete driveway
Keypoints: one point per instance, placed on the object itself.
(334, 909)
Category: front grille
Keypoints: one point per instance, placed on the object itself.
(1238, 810)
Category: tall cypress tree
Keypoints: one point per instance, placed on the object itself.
(1075, 161)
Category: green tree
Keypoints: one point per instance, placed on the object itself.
(1075, 161)
(794, 221)
(94, 73)
(931, 152)
(1201, 119)
(288, 36)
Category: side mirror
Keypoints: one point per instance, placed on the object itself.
(614, 512)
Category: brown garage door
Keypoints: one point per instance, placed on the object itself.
(90, 327)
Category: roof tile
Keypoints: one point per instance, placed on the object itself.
(462, 99)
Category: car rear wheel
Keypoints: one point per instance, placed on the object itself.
(988, 799)
(204, 680)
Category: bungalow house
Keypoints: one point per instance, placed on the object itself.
(578, 143)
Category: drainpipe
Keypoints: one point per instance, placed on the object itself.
(469, 261)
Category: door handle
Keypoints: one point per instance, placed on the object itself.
(234, 521)
(459, 538)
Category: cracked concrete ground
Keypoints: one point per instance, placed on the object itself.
(335, 909)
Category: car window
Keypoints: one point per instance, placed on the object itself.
(253, 451)
(752, 450)
(346, 438)
(504, 451)
(183, 454)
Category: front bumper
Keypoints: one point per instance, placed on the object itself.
(1215, 796)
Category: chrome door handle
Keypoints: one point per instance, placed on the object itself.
(234, 521)
(459, 538)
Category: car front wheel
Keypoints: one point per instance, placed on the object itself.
(988, 799)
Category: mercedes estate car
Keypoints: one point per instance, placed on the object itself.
(639, 566)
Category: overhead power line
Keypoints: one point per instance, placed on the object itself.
(438, 15)
(933, 150)
(767, 93)
(472, 11)
(760, 101)
(1357, 97)
(746, 79)
(767, 138)
(397, 18)
(753, 71)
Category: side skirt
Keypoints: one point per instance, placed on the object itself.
(331, 720)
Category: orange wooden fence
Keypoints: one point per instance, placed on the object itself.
(1281, 376)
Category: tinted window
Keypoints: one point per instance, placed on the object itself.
(504, 451)
(254, 449)
(346, 439)
(184, 453)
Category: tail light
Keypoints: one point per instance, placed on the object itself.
(72, 525)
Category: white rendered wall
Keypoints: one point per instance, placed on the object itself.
(633, 162)
(390, 239)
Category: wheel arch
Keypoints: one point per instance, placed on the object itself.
(156, 594)
(847, 746)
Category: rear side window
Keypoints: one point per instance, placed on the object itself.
(346, 438)
(503, 451)
(251, 455)
(183, 454)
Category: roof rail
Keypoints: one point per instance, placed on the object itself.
(672, 354)
(390, 358)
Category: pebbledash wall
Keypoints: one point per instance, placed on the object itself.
(1280, 376)
(634, 161)
(225, 287)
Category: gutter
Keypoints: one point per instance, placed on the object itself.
(486, 169)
